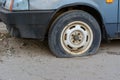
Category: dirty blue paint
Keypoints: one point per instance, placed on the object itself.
(109, 12)
(101, 5)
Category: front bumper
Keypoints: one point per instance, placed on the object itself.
(27, 24)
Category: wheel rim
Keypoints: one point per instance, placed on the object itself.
(76, 38)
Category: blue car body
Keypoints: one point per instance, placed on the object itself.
(32, 18)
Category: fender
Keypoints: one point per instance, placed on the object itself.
(100, 5)
(81, 4)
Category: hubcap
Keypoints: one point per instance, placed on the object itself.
(76, 38)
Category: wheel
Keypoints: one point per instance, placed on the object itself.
(74, 33)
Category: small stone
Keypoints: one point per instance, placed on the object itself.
(1, 61)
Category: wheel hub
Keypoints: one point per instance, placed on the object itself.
(76, 37)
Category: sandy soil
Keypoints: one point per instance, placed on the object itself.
(22, 59)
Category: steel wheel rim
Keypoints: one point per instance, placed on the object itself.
(76, 38)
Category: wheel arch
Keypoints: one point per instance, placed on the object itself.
(85, 7)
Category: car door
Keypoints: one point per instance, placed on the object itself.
(110, 13)
(119, 20)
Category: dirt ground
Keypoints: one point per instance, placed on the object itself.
(22, 59)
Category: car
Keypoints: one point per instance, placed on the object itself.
(73, 28)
